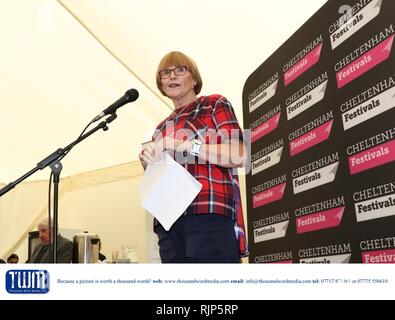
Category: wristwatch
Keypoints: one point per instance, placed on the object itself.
(196, 147)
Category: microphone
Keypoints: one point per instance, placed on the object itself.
(129, 96)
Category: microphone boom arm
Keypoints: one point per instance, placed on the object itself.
(58, 154)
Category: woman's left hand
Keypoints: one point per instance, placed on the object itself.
(169, 143)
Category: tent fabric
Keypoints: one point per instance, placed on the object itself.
(62, 62)
(104, 201)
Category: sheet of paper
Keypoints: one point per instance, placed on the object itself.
(167, 190)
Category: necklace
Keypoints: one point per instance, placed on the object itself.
(175, 114)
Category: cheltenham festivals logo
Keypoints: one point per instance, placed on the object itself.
(353, 19)
(369, 104)
(311, 134)
(315, 174)
(272, 227)
(306, 97)
(264, 92)
(381, 250)
(279, 258)
(321, 215)
(269, 191)
(27, 281)
(365, 57)
(265, 124)
(267, 157)
(373, 152)
(333, 253)
(303, 61)
(375, 202)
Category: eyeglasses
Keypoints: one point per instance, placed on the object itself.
(178, 71)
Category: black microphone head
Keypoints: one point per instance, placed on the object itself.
(132, 95)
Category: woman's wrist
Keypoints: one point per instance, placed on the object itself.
(182, 145)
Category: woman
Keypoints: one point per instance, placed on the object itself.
(203, 134)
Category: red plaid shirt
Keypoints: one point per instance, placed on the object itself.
(212, 120)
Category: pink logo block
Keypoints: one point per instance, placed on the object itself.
(368, 61)
(311, 138)
(379, 256)
(302, 66)
(270, 195)
(372, 158)
(320, 220)
(265, 128)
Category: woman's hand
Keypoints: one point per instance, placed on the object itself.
(152, 151)
(169, 143)
(147, 154)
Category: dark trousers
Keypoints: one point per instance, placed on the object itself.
(203, 238)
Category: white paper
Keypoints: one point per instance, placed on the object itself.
(167, 190)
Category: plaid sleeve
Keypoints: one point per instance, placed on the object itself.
(225, 121)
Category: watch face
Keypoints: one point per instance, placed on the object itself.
(196, 145)
(198, 142)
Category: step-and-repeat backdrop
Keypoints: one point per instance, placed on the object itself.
(321, 187)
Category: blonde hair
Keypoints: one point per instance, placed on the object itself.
(178, 59)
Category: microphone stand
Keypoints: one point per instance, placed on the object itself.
(53, 161)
